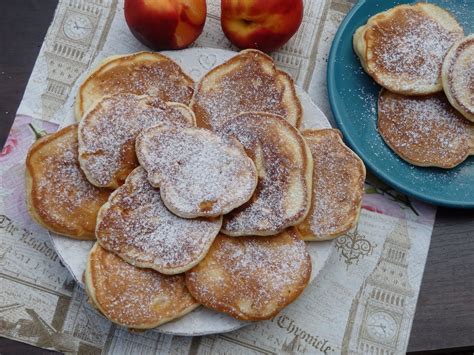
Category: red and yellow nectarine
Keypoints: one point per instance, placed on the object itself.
(261, 24)
(166, 24)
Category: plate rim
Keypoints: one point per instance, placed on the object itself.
(331, 89)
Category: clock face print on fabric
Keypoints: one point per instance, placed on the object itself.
(381, 326)
(77, 27)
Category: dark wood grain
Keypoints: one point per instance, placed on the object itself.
(12, 347)
(23, 25)
(445, 314)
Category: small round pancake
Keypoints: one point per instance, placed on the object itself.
(199, 173)
(247, 82)
(107, 134)
(285, 167)
(59, 196)
(142, 73)
(403, 48)
(136, 225)
(338, 186)
(458, 76)
(424, 130)
(251, 278)
(133, 297)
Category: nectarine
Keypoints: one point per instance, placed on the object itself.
(260, 24)
(166, 24)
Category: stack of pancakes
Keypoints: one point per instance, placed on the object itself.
(197, 194)
(415, 52)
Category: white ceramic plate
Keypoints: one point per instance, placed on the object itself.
(197, 62)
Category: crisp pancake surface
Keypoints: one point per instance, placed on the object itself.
(403, 48)
(59, 196)
(285, 166)
(142, 73)
(199, 173)
(251, 278)
(133, 297)
(425, 130)
(107, 134)
(247, 82)
(136, 225)
(338, 186)
(458, 76)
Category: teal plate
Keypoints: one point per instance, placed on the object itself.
(353, 98)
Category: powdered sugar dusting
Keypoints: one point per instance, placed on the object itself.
(243, 88)
(425, 130)
(199, 173)
(131, 296)
(108, 132)
(251, 276)
(137, 226)
(282, 195)
(409, 49)
(63, 194)
(461, 75)
(338, 186)
(149, 74)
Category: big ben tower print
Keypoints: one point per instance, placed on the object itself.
(379, 321)
(76, 35)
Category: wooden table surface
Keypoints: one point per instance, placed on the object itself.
(445, 313)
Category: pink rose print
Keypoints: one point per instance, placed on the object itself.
(9, 146)
(24, 132)
(367, 206)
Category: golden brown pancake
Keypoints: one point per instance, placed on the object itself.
(199, 173)
(247, 82)
(142, 73)
(284, 165)
(133, 297)
(458, 76)
(58, 194)
(338, 186)
(403, 48)
(107, 134)
(425, 130)
(136, 225)
(251, 278)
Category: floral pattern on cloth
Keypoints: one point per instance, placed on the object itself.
(24, 132)
(382, 199)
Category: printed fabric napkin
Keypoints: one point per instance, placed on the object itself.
(361, 301)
